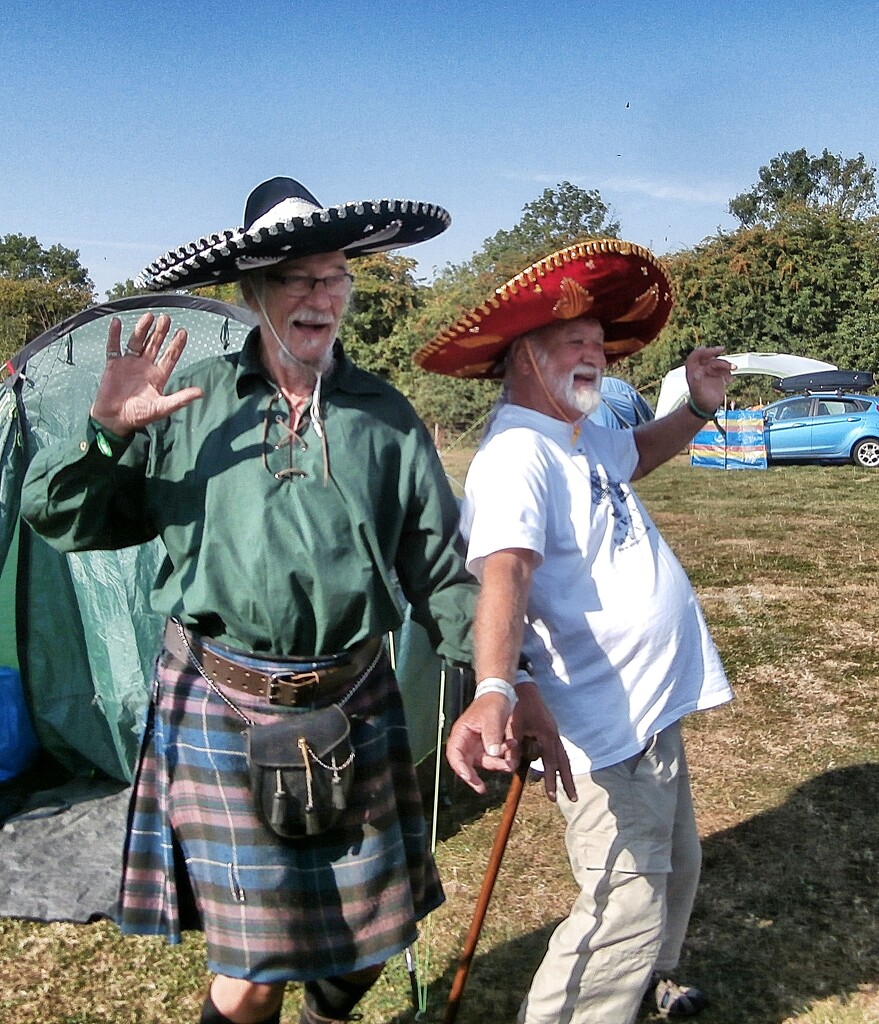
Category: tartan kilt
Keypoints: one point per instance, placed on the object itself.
(197, 856)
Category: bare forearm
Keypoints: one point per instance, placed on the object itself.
(662, 439)
(707, 378)
(500, 613)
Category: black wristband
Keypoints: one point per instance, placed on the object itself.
(697, 412)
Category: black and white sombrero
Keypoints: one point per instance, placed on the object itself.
(282, 219)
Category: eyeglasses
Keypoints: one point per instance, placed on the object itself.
(300, 285)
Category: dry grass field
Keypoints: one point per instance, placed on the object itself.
(786, 927)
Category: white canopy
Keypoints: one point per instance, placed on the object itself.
(673, 391)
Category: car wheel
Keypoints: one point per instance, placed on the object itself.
(866, 453)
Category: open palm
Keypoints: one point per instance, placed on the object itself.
(132, 389)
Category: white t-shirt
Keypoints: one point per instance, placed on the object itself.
(615, 633)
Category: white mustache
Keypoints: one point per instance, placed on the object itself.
(578, 376)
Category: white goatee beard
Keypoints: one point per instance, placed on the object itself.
(314, 368)
(584, 401)
(562, 386)
(321, 364)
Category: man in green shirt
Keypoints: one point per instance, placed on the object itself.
(293, 493)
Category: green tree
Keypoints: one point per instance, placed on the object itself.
(22, 258)
(855, 344)
(122, 289)
(38, 288)
(385, 294)
(230, 292)
(796, 183)
(798, 277)
(807, 288)
(557, 218)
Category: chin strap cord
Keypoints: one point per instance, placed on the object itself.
(574, 424)
(318, 424)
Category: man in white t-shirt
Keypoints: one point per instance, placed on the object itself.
(575, 574)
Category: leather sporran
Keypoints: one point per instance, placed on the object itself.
(301, 769)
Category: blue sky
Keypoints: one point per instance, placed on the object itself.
(130, 128)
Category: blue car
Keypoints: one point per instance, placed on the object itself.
(824, 427)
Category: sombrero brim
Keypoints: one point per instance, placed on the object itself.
(620, 284)
(357, 229)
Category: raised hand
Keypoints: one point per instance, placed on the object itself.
(132, 389)
(708, 376)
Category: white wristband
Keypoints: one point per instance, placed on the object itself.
(492, 684)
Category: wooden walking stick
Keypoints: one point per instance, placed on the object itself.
(511, 805)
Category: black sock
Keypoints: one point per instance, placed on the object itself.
(335, 998)
(211, 1015)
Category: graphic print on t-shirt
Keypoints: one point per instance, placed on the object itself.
(628, 525)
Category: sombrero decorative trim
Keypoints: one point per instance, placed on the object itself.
(282, 219)
(620, 284)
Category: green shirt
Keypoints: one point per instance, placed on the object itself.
(299, 565)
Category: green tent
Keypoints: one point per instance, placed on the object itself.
(8, 652)
(80, 627)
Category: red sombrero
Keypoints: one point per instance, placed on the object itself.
(620, 284)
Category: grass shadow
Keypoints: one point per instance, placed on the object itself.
(787, 915)
(788, 907)
(458, 804)
(495, 986)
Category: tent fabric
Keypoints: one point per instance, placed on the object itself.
(621, 405)
(86, 636)
(8, 649)
(673, 391)
(11, 473)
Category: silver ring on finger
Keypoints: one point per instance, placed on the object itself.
(113, 355)
(129, 351)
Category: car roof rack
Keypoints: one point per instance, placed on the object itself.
(837, 392)
(826, 381)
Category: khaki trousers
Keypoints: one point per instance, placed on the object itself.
(634, 851)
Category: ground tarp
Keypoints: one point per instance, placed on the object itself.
(62, 852)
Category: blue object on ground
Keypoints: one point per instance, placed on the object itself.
(18, 741)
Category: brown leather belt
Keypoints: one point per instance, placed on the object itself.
(290, 682)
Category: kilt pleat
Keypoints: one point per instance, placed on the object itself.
(273, 910)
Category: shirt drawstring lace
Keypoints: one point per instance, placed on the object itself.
(314, 411)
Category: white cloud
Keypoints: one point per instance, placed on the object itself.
(701, 195)
(96, 243)
(682, 192)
